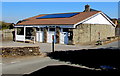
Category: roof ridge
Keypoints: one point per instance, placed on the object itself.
(67, 12)
(58, 13)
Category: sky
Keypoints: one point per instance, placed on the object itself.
(60, 0)
(12, 12)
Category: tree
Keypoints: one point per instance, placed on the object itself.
(4, 25)
(118, 21)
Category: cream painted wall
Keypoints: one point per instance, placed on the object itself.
(99, 19)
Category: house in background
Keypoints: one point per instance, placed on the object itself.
(117, 30)
(68, 28)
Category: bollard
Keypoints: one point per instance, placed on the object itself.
(53, 43)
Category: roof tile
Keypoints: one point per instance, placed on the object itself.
(71, 20)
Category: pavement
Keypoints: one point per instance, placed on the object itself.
(46, 47)
(26, 65)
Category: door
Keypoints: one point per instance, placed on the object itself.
(50, 34)
(39, 36)
(64, 38)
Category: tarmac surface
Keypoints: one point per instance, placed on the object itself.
(46, 47)
(26, 65)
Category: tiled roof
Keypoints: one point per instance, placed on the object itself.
(71, 20)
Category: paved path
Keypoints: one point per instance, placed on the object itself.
(47, 47)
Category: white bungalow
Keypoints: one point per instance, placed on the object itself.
(67, 28)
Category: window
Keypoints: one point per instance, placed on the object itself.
(29, 31)
(41, 29)
(20, 31)
(65, 30)
(52, 29)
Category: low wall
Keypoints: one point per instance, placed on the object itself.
(20, 51)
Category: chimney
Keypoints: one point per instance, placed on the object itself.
(87, 8)
(115, 21)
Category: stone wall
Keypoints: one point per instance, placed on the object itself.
(86, 33)
(45, 35)
(57, 35)
(20, 51)
(7, 35)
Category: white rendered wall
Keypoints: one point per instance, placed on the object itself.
(39, 36)
(20, 37)
(99, 19)
(49, 38)
(64, 37)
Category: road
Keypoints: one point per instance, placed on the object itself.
(115, 44)
(31, 64)
(0, 65)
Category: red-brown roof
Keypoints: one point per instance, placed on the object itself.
(71, 20)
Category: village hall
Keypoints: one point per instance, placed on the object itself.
(67, 28)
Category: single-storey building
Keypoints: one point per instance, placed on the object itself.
(67, 28)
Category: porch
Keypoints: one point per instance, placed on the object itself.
(44, 34)
(25, 34)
